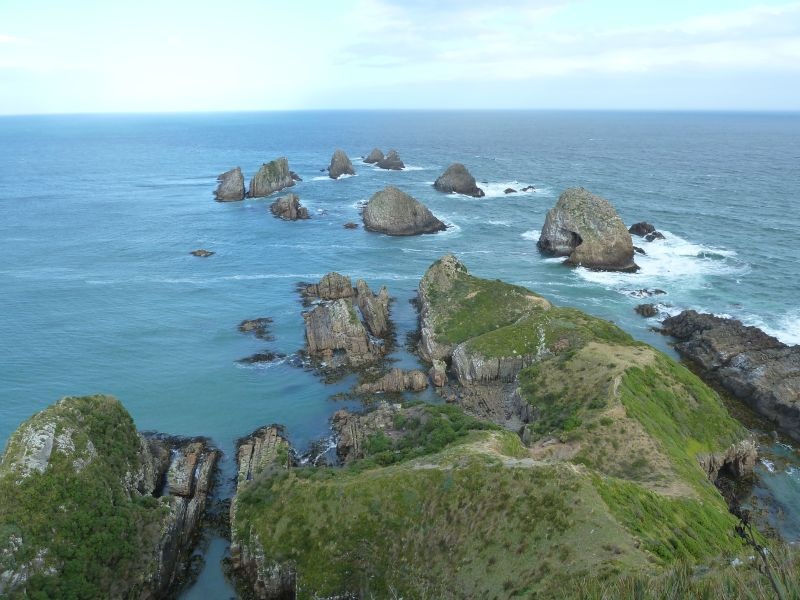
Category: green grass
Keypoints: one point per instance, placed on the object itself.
(96, 536)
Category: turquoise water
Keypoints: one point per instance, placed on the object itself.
(98, 215)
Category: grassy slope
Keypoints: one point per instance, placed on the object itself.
(91, 530)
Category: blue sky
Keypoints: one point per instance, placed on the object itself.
(109, 56)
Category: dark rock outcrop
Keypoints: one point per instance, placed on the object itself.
(587, 230)
(231, 186)
(641, 229)
(261, 358)
(509, 191)
(270, 178)
(393, 212)
(646, 310)
(202, 253)
(340, 165)
(351, 225)
(259, 327)
(529, 188)
(751, 365)
(656, 235)
(295, 176)
(374, 309)
(263, 450)
(456, 179)
(352, 430)
(391, 162)
(288, 208)
(374, 156)
(396, 380)
(736, 462)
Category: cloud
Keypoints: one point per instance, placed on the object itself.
(8, 39)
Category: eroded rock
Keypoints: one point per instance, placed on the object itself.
(231, 186)
(456, 179)
(288, 208)
(270, 178)
(393, 212)
(340, 165)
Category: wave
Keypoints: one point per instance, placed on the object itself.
(786, 329)
(532, 235)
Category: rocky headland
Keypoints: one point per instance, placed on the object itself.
(90, 508)
(270, 178)
(587, 230)
(393, 212)
(340, 165)
(456, 179)
(748, 363)
(231, 186)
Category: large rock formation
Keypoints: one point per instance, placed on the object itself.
(91, 508)
(751, 365)
(395, 381)
(270, 178)
(231, 186)
(353, 430)
(263, 451)
(348, 327)
(340, 165)
(393, 212)
(587, 230)
(288, 208)
(374, 156)
(456, 179)
(391, 161)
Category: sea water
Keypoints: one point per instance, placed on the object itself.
(98, 215)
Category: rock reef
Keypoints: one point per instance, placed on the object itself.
(231, 186)
(456, 179)
(393, 212)
(340, 165)
(587, 230)
(270, 178)
(748, 363)
(289, 208)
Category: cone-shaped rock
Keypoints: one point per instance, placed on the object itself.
(374, 156)
(340, 165)
(394, 212)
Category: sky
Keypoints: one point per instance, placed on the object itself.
(80, 56)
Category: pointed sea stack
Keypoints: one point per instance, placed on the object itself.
(340, 165)
(588, 231)
(271, 177)
(374, 156)
(456, 179)
(231, 186)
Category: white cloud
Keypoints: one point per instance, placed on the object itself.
(8, 39)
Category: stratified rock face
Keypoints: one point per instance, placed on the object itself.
(586, 229)
(288, 208)
(374, 156)
(392, 162)
(737, 461)
(396, 380)
(332, 286)
(271, 177)
(352, 430)
(231, 186)
(374, 309)
(264, 450)
(340, 165)
(81, 460)
(747, 362)
(393, 212)
(456, 179)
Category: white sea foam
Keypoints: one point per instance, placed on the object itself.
(532, 235)
(786, 329)
(498, 189)
(768, 464)
(499, 223)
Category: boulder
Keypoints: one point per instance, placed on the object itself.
(270, 178)
(351, 225)
(202, 253)
(231, 186)
(374, 156)
(261, 358)
(456, 179)
(656, 235)
(748, 363)
(288, 208)
(588, 231)
(509, 191)
(393, 212)
(395, 381)
(646, 310)
(392, 162)
(340, 165)
(641, 229)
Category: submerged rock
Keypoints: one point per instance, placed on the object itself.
(456, 179)
(646, 310)
(202, 253)
(288, 208)
(751, 365)
(231, 186)
(82, 461)
(259, 327)
(587, 230)
(351, 225)
(261, 357)
(510, 191)
(393, 212)
(270, 178)
(391, 162)
(374, 156)
(340, 165)
(529, 188)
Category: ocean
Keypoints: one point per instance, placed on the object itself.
(98, 214)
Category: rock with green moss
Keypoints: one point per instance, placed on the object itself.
(90, 508)
(270, 178)
(588, 231)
